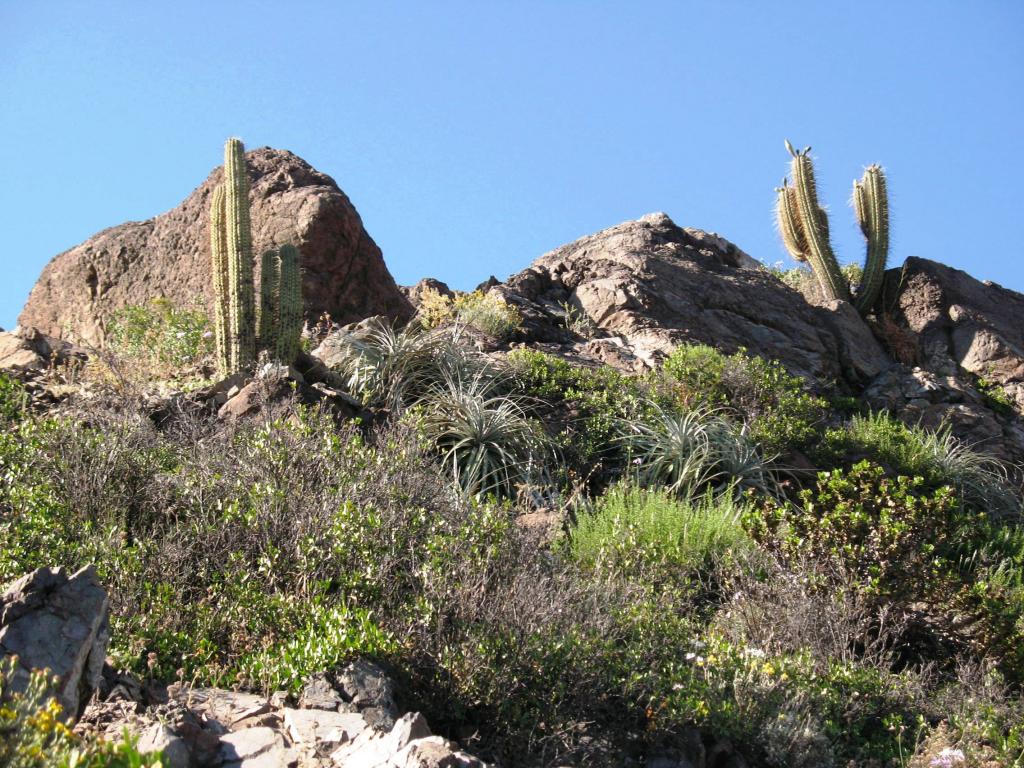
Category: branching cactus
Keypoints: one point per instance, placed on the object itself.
(236, 319)
(803, 224)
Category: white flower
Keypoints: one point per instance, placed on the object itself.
(756, 653)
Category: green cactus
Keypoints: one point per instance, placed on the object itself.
(219, 251)
(236, 316)
(871, 201)
(242, 336)
(803, 224)
(270, 277)
(289, 325)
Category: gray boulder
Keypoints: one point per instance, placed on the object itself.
(59, 622)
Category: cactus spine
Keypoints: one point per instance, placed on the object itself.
(279, 318)
(803, 224)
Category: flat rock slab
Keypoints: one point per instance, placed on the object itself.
(254, 748)
(318, 726)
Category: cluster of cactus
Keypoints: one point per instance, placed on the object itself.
(804, 227)
(241, 327)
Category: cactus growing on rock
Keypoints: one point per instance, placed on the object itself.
(803, 224)
(279, 318)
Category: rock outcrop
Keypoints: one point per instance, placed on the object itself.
(961, 324)
(961, 345)
(54, 621)
(646, 286)
(343, 271)
(341, 721)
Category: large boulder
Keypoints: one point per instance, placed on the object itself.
(56, 621)
(292, 202)
(961, 324)
(646, 286)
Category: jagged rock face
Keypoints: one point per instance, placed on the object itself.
(649, 285)
(343, 270)
(952, 331)
(52, 620)
(961, 323)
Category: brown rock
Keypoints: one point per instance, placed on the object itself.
(961, 322)
(649, 285)
(343, 270)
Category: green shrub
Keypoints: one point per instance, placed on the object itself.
(586, 408)
(779, 412)
(13, 399)
(487, 441)
(690, 451)
(909, 549)
(328, 639)
(650, 532)
(160, 339)
(33, 733)
(488, 313)
(938, 457)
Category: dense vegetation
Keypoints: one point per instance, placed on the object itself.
(872, 611)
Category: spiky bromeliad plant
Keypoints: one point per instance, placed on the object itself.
(804, 227)
(278, 318)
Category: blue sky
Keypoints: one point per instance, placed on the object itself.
(474, 136)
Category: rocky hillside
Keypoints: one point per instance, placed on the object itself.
(644, 504)
(169, 255)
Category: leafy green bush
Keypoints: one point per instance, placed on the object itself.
(587, 407)
(937, 457)
(635, 531)
(779, 412)
(160, 339)
(13, 399)
(912, 552)
(33, 733)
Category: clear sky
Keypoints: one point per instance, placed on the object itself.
(474, 136)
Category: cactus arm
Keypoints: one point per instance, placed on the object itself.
(871, 202)
(269, 286)
(814, 222)
(219, 268)
(788, 218)
(242, 335)
(289, 332)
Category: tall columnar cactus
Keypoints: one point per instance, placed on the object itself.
(289, 324)
(871, 201)
(270, 278)
(219, 267)
(242, 338)
(279, 319)
(805, 233)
